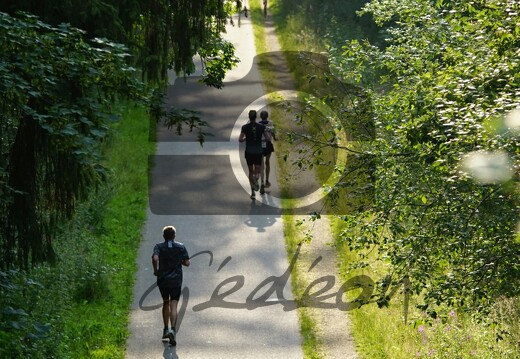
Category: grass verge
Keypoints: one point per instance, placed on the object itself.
(381, 332)
(97, 322)
(78, 307)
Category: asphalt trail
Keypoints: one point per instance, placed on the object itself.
(235, 243)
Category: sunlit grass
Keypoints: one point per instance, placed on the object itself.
(293, 237)
(97, 325)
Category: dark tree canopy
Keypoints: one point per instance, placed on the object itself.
(57, 88)
(161, 34)
(59, 74)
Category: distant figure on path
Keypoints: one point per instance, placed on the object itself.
(253, 133)
(268, 148)
(167, 261)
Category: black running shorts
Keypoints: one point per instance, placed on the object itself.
(170, 293)
(269, 148)
(253, 159)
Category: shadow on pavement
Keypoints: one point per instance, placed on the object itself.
(170, 352)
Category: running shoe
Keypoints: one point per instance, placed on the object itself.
(171, 338)
(165, 336)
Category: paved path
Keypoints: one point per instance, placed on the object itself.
(235, 243)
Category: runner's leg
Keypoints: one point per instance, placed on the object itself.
(262, 166)
(166, 317)
(173, 313)
(251, 169)
(267, 167)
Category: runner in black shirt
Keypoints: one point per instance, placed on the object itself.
(253, 133)
(167, 261)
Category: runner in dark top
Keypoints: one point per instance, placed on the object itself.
(167, 261)
(253, 133)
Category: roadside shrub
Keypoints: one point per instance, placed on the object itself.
(20, 332)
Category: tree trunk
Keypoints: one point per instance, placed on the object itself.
(23, 236)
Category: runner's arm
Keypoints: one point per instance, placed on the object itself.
(155, 264)
(185, 258)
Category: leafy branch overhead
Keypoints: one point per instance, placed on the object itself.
(168, 34)
(178, 118)
(175, 118)
(218, 57)
(161, 35)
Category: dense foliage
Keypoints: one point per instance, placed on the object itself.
(58, 82)
(57, 90)
(78, 306)
(446, 72)
(62, 81)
